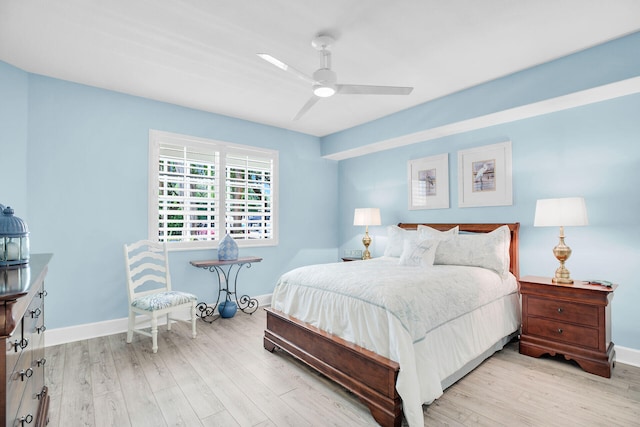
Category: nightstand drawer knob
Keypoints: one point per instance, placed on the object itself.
(559, 330)
(559, 309)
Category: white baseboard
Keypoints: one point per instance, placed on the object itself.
(108, 327)
(628, 356)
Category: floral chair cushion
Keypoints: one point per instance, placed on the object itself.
(163, 300)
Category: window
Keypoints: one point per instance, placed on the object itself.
(200, 190)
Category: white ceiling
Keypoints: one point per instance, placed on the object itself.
(202, 53)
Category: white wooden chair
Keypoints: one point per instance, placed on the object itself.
(149, 289)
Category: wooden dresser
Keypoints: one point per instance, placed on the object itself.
(572, 320)
(22, 389)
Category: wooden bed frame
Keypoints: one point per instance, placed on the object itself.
(366, 374)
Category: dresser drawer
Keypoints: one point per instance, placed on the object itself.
(34, 314)
(13, 349)
(27, 413)
(38, 363)
(563, 332)
(581, 314)
(18, 381)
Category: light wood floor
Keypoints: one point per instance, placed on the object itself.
(225, 378)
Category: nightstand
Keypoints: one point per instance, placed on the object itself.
(349, 258)
(573, 320)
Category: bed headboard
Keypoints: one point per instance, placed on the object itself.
(514, 266)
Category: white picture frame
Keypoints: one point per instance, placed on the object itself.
(428, 180)
(485, 176)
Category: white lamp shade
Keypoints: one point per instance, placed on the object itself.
(367, 216)
(568, 211)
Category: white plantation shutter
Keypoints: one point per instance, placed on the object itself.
(248, 197)
(193, 203)
(187, 187)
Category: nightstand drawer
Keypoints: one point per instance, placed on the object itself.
(581, 314)
(558, 331)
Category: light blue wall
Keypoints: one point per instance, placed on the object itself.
(83, 153)
(13, 139)
(591, 151)
(87, 194)
(609, 62)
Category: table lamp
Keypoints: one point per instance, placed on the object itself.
(366, 217)
(564, 212)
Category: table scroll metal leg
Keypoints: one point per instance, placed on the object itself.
(208, 312)
(245, 303)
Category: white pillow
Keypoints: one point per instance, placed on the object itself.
(395, 240)
(420, 253)
(486, 250)
(426, 232)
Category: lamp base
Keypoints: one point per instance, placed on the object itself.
(562, 275)
(562, 252)
(366, 241)
(562, 280)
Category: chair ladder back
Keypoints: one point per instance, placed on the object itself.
(146, 262)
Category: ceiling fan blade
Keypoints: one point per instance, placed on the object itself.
(275, 61)
(373, 90)
(310, 103)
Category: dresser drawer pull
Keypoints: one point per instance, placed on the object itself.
(36, 313)
(25, 373)
(23, 343)
(560, 310)
(25, 420)
(41, 329)
(559, 330)
(42, 294)
(41, 362)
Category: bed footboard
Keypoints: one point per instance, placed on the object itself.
(366, 374)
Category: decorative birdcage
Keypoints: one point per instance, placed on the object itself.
(14, 239)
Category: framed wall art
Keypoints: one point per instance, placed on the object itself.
(485, 176)
(428, 179)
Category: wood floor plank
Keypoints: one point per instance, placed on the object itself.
(265, 400)
(199, 395)
(208, 365)
(221, 419)
(445, 410)
(152, 364)
(141, 404)
(111, 410)
(77, 402)
(55, 358)
(103, 369)
(225, 378)
(54, 376)
(322, 408)
(175, 408)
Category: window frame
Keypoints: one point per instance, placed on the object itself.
(156, 138)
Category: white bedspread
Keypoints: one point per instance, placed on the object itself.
(401, 312)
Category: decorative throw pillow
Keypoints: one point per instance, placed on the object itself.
(395, 240)
(419, 253)
(426, 232)
(486, 250)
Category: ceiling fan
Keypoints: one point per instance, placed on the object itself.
(324, 82)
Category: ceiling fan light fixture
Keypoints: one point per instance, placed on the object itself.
(325, 83)
(323, 91)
